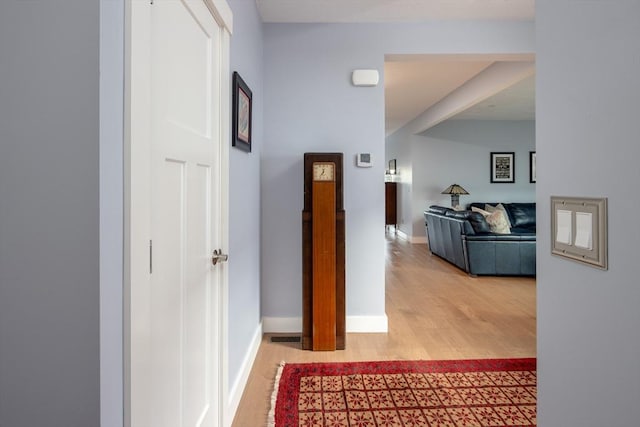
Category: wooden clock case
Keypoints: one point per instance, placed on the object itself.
(323, 257)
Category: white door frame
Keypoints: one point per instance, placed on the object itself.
(137, 189)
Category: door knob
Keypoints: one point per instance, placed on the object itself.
(218, 256)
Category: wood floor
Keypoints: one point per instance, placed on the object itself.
(435, 311)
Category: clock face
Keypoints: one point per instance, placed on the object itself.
(323, 172)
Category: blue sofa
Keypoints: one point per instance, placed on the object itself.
(465, 239)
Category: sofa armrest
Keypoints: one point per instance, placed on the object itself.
(445, 238)
(500, 256)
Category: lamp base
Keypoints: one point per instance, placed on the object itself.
(455, 200)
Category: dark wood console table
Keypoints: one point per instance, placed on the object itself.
(391, 203)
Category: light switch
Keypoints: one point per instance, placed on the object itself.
(584, 230)
(579, 229)
(563, 221)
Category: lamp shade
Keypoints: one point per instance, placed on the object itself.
(455, 190)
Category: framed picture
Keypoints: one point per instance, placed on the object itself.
(242, 107)
(532, 166)
(392, 167)
(503, 167)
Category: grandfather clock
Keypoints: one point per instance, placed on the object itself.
(323, 253)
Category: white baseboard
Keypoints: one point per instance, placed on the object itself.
(411, 239)
(367, 324)
(401, 234)
(235, 392)
(355, 324)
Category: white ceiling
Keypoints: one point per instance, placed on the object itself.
(393, 10)
(414, 85)
(436, 87)
(514, 103)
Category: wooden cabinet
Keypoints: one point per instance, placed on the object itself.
(391, 203)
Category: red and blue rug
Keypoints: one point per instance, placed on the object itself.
(451, 393)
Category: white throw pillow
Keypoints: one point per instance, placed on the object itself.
(499, 207)
(497, 220)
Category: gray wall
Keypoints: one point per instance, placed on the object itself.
(458, 151)
(587, 140)
(111, 211)
(313, 107)
(244, 192)
(49, 246)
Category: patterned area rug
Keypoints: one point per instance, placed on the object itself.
(453, 393)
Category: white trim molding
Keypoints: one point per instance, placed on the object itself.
(411, 239)
(355, 324)
(368, 324)
(401, 234)
(222, 13)
(418, 239)
(236, 390)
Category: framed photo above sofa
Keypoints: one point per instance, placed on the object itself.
(503, 167)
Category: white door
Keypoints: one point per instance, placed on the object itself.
(175, 314)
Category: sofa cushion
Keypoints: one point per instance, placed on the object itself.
(497, 220)
(522, 214)
(478, 222)
(500, 207)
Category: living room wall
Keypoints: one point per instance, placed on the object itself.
(310, 105)
(458, 151)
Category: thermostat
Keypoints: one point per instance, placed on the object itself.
(363, 160)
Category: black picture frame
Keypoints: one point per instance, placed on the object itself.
(392, 167)
(503, 167)
(242, 113)
(532, 167)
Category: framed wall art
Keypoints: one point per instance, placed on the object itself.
(392, 167)
(532, 166)
(503, 167)
(242, 108)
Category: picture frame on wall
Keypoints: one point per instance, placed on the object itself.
(392, 167)
(503, 167)
(242, 110)
(532, 166)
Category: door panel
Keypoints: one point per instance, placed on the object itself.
(177, 178)
(166, 296)
(184, 36)
(184, 215)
